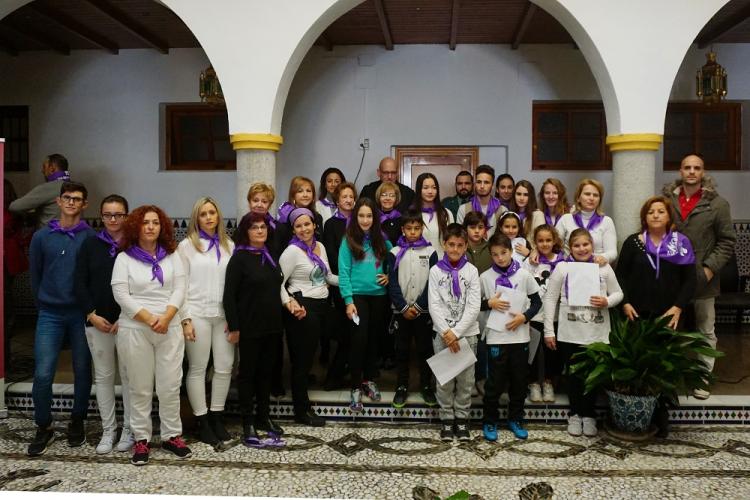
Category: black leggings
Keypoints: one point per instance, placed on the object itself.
(419, 329)
(580, 404)
(363, 353)
(302, 337)
(546, 364)
(257, 356)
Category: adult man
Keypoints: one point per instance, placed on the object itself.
(483, 201)
(41, 198)
(52, 257)
(464, 181)
(388, 172)
(703, 216)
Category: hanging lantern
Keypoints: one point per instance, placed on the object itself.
(711, 81)
(209, 87)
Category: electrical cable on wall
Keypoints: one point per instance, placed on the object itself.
(361, 162)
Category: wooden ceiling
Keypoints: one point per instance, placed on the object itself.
(111, 25)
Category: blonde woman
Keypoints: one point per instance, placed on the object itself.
(205, 254)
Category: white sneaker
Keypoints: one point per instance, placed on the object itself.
(106, 442)
(589, 427)
(126, 442)
(701, 394)
(575, 425)
(535, 393)
(548, 392)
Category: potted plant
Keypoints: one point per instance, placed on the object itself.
(643, 361)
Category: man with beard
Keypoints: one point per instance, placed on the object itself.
(464, 185)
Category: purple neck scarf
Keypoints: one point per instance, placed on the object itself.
(548, 218)
(328, 203)
(551, 263)
(492, 207)
(284, 211)
(55, 226)
(213, 242)
(141, 255)
(270, 221)
(265, 255)
(431, 211)
(107, 238)
(503, 278)
(522, 216)
(674, 247)
(595, 220)
(310, 254)
(505, 203)
(393, 214)
(445, 265)
(338, 215)
(570, 258)
(406, 245)
(64, 175)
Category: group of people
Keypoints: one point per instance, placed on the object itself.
(373, 272)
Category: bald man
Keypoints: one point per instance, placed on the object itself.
(388, 172)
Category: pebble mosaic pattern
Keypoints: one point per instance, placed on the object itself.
(378, 460)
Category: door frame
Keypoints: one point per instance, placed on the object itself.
(402, 151)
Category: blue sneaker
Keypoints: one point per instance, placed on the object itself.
(516, 427)
(490, 432)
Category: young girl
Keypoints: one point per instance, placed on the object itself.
(362, 281)
(510, 225)
(523, 203)
(553, 201)
(436, 217)
(326, 204)
(388, 196)
(545, 365)
(579, 326)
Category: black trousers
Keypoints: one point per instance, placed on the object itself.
(546, 364)
(507, 363)
(302, 337)
(363, 352)
(339, 328)
(580, 404)
(257, 356)
(418, 329)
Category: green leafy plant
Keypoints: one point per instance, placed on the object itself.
(646, 358)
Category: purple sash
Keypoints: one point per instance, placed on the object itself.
(393, 214)
(431, 211)
(445, 265)
(503, 278)
(492, 207)
(309, 251)
(265, 255)
(141, 255)
(64, 175)
(521, 216)
(270, 221)
(213, 242)
(328, 203)
(107, 238)
(406, 245)
(551, 263)
(674, 247)
(504, 203)
(595, 220)
(548, 218)
(55, 226)
(284, 211)
(338, 215)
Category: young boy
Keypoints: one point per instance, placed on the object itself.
(409, 263)
(52, 258)
(454, 297)
(508, 348)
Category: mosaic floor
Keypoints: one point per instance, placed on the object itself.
(376, 460)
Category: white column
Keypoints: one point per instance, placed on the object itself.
(633, 182)
(254, 165)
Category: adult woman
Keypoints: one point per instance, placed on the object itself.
(260, 197)
(523, 203)
(553, 201)
(335, 227)
(436, 218)
(94, 264)
(301, 195)
(388, 196)
(504, 185)
(205, 254)
(253, 312)
(307, 274)
(148, 282)
(657, 273)
(590, 216)
(326, 204)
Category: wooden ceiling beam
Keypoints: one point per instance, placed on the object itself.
(74, 26)
(739, 17)
(39, 36)
(130, 24)
(523, 25)
(388, 39)
(454, 24)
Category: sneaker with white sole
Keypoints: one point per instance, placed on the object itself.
(589, 427)
(106, 442)
(126, 442)
(548, 392)
(140, 453)
(176, 445)
(355, 401)
(535, 393)
(575, 425)
(371, 390)
(701, 394)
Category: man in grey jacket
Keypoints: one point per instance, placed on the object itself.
(42, 198)
(703, 216)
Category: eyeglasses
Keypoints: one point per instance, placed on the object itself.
(108, 216)
(260, 227)
(71, 199)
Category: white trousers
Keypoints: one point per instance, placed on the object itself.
(210, 336)
(153, 357)
(104, 356)
(705, 320)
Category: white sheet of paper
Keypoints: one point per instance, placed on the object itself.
(498, 319)
(517, 256)
(446, 365)
(583, 283)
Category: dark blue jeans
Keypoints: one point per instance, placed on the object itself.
(53, 327)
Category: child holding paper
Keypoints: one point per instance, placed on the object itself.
(454, 295)
(504, 286)
(409, 266)
(510, 225)
(578, 324)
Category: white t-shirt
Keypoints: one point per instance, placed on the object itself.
(205, 279)
(431, 231)
(302, 275)
(523, 282)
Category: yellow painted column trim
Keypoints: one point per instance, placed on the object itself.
(634, 142)
(256, 141)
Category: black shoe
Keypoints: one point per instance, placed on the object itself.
(205, 432)
(268, 425)
(661, 420)
(76, 432)
(42, 439)
(462, 430)
(277, 391)
(216, 418)
(140, 453)
(249, 432)
(428, 395)
(446, 431)
(177, 446)
(399, 400)
(310, 418)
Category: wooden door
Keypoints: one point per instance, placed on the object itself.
(444, 162)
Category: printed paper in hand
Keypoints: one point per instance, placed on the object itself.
(446, 365)
(498, 319)
(583, 283)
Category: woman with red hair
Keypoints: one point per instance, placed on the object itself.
(148, 282)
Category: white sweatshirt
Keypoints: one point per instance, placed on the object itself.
(205, 279)
(451, 313)
(604, 235)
